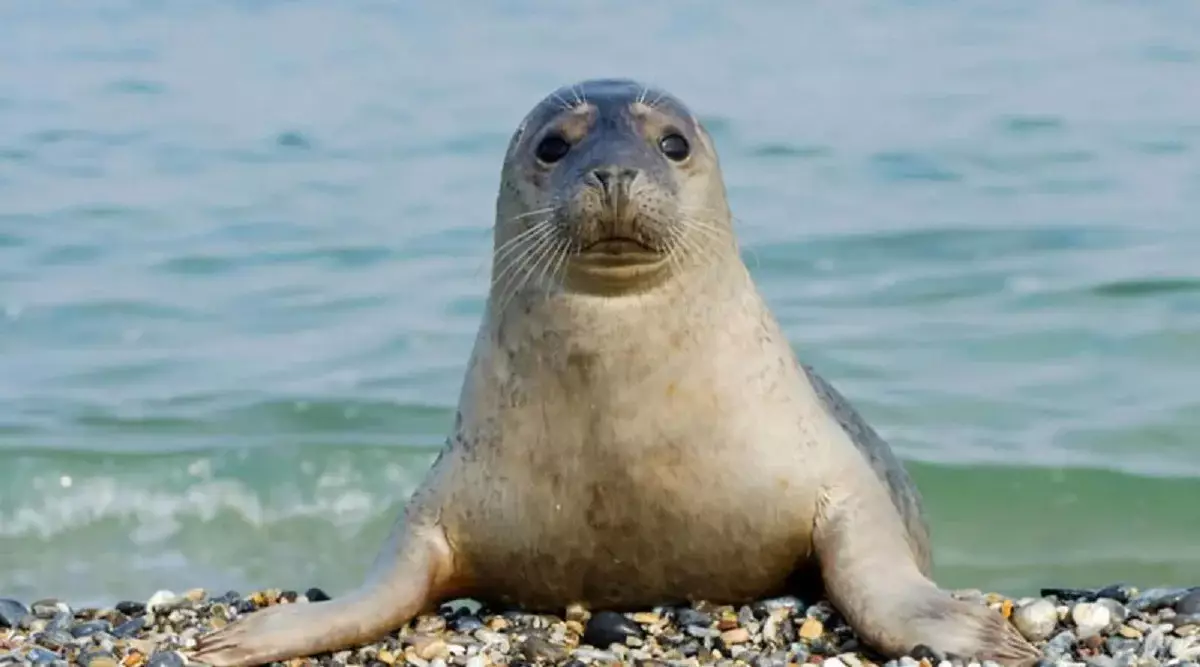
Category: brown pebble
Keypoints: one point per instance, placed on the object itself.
(430, 624)
(646, 618)
(133, 660)
(727, 624)
(575, 627)
(736, 636)
(1006, 608)
(811, 629)
(386, 656)
(498, 623)
(576, 612)
(1129, 633)
(433, 649)
(196, 594)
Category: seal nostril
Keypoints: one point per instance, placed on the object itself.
(604, 176)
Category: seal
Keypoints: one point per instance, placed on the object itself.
(634, 429)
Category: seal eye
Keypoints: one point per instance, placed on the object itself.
(552, 148)
(675, 147)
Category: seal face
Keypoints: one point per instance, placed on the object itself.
(596, 174)
(634, 428)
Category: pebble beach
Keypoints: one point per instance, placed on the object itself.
(1116, 626)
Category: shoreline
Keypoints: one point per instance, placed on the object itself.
(1115, 626)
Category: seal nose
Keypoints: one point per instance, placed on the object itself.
(614, 180)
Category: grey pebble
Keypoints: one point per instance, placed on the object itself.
(687, 616)
(60, 623)
(466, 624)
(48, 607)
(53, 640)
(129, 628)
(40, 656)
(1116, 610)
(1153, 644)
(1061, 645)
(1189, 604)
(11, 613)
(165, 659)
(1157, 598)
(90, 628)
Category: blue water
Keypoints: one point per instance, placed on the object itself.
(244, 248)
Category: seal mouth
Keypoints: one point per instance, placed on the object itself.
(618, 251)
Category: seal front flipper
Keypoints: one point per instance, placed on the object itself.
(872, 579)
(413, 572)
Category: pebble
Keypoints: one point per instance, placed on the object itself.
(687, 616)
(161, 600)
(316, 595)
(608, 627)
(1090, 618)
(1036, 621)
(11, 613)
(1116, 626)
(1189, 604)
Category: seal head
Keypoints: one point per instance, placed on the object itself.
(595, 175)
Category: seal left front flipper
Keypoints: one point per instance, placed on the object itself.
(872, 578)
(413, 572)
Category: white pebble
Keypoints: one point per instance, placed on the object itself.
(160, 600)
(1090, 618)
(833, 662)
(1186, 648)
(1036, 620)
(476, 661)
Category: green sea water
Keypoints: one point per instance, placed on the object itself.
(244, 250)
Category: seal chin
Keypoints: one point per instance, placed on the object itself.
(616, 265)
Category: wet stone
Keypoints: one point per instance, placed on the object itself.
(1069, 594)
(60, 623)
(1061, 645)
(131, 608)
(685, 616)
(466, 624)
(11, 613)
(40, 656)
(165, 659)
(53, 640)
(1189, 604)
(607, 627)
(316, 595)
(90, 628)
(48, 608)
(1157, 598)
(1119, 592)
(129, 628)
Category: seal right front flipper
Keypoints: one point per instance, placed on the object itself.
(874, 582)
(411, 574)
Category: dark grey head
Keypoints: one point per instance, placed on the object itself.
(604, 186)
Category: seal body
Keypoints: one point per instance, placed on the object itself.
(634, 428)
